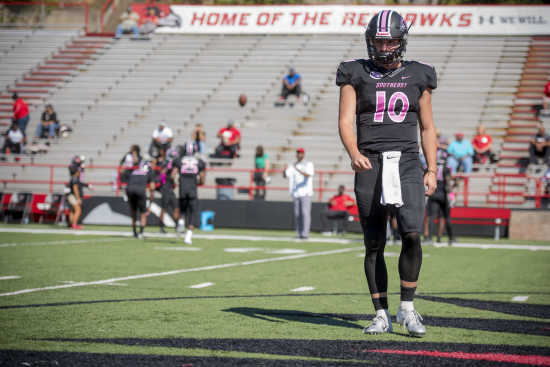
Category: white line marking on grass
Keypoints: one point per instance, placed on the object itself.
(303, 289)
(201, 285)
(520, 298)
(181, 271)
(187, 248)
(286, 251)
(501, 247)
(117, 284)
(62, 242)
(8, 277)
(243, 249)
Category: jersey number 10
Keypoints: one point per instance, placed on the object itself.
(381, 106)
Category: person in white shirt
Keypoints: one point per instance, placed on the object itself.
(300, 184)
(162, 139)
(14, 140)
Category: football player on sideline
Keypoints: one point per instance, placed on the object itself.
(388, 97)
(140, 182)
(192, 173)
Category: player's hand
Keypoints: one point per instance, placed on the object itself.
(430, 183)
(360, 163)
(90, 187)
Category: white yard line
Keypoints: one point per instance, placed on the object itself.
(8, 277)
(181, 271)
(168, 248)
(201, 285)
(62, 242)
(520, 298)
(256, 238)
(302, 289)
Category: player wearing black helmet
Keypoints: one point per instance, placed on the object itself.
(140, 182)
(191, 172)
(388, 98)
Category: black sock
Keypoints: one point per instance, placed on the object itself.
(141, 229)
(377, 304)
(384, 302)
(407, 294)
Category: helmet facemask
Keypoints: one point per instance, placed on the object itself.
(386, 57)
(386, 25)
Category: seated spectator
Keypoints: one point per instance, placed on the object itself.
(442, 141)
(148, 23)
(14, 139)
(162, 140)
(129, 23)
(261, 165)
(230, 139)
(199, 137)
(169, 20)
(337, 211)
(291, 85)
(539, 147)
(20, 113)
(461, 154)
(128, 163)
(546, 97)
(483, 144)
(48, 124)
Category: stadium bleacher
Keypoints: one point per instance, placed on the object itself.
(121, 93)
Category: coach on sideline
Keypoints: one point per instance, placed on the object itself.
(300, 185)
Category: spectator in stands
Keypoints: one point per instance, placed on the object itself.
(75, 196)
(20, 112)
(129, 23)
(129, 162)
(48, 123)
(230, 140)
(337, 212)
(162, 139)
(442, 141)
(148, 23)
(13, 140)
(461, 154)
(539, 147)
(261, 164)
(199, 137)
(291, 84)
(483, 145)
(546, 97)
(300, 184)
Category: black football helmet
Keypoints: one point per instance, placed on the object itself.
(387, 24)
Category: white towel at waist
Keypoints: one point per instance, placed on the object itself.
(391, 183)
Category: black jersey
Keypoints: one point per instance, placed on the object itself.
(76, 181)
(443, 174)
(140, 178)
(387, 108)
(188, 168)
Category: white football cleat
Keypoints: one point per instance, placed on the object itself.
(380, 325)
(412, 321)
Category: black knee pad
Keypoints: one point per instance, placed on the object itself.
(411, 239)
(375, 246)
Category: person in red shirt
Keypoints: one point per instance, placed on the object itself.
(483, 144)
(337, 212)
(546, 96)
(230, 139)
(20, 112)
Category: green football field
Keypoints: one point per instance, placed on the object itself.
(260, 298)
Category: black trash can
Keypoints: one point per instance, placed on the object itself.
(225, 193)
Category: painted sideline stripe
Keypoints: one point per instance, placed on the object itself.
(201, 285)
(493, 357)
(8, 277)
(302, 289)
(61, 242)
(520, 298)
(180, 271)
(259, 238)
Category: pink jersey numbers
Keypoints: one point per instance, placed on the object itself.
(393, 115)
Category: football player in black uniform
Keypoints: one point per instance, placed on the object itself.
(388, 98)
(438, 203)
(140, 182)
(192, 173)
(167, 184)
